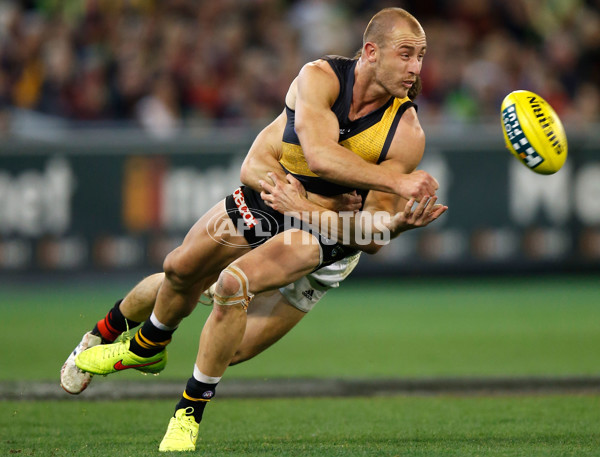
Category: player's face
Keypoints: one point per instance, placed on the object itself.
(400, 60)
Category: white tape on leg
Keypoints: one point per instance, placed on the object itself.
(242, 296)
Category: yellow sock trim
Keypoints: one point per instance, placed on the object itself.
(187, 397)
(146, 343)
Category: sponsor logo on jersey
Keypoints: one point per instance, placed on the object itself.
(240, 202)
(241, 221)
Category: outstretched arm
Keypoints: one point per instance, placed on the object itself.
(367, 230)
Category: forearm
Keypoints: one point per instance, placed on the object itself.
(367, 230)
(361, 230)
(383, 218)
(336, 164)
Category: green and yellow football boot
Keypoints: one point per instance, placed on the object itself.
(182, 432)
(110, 358)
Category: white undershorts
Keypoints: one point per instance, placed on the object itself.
(306, 292)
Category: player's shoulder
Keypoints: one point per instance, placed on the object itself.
(408, 144)
(410, 125)
(317, 78)
(319, 68)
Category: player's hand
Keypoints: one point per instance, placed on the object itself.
(417, 185)
(421, 215)
(349, 201)
(283, 196)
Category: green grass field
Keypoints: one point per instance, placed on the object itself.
(546, 326)
(391, 426)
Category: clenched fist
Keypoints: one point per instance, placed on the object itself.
(418, 185)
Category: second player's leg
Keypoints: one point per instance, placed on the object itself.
(139, 302)
(270, 317)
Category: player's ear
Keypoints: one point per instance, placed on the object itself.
(370, 51)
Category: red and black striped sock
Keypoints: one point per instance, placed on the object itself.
(113, 324)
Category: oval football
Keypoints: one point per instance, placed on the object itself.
(533, 132)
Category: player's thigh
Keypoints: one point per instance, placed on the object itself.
(209, 246)
(270, 317)
(281, 260)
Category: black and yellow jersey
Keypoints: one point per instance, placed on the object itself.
(369, 136)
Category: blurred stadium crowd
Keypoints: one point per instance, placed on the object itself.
(162, 64)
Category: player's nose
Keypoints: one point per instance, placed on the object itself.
(414, 66)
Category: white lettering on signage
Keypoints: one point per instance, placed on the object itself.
(586, 191)
(188, 192)
(530, 194)
(35, 203)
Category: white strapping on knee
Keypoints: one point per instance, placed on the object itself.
(242, 296)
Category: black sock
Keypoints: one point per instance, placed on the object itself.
(150, 340)
(196, 395)
(113, 324)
